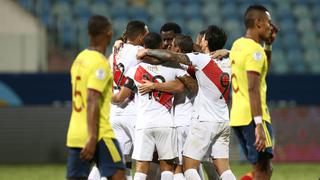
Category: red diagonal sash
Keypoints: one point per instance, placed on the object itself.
(162, 97)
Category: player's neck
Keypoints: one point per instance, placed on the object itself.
(251, 34)
(97, 48)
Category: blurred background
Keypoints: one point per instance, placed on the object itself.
(39, 40)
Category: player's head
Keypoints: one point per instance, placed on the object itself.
(153, 41)
(257, 18)
(200, 36)
(168, 31)
(136, 31)
(182, 44)
(213, 39)
(99, 30)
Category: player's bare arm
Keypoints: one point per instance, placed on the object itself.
(190, 84)
(164, 55)
(255, 104)
(172, 87)
(122, 95)
(151, 60)
(219, 54)
(93, 110)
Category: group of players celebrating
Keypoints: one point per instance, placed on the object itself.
(167, 102)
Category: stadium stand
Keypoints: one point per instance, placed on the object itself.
(295, 51)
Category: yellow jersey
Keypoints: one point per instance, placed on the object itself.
(90, 70)
(247, 55)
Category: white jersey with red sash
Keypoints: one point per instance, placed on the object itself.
(154, 108)
(122, 61)
(214, 77)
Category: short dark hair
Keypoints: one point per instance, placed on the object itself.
(253, 12)
(134, 28)
(184, 42)
(216, 37)
(152, 40)
(201, 33)
(97, 25)
(171, 26)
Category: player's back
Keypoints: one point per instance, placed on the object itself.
(154, 109)
(90, 70)
(247, 56)
(213, 78)
(122, 61)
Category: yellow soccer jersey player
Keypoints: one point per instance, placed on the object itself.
(247, 55)
(89, 71)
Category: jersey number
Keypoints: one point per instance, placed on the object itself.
(75, 95)
(155, 79)
(224, 82)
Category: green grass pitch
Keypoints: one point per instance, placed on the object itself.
(57, 171)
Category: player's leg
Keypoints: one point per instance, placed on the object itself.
(166, 144)
(144, 146)
(182, 132)
(263, 168)
(128, 127)
(261, 161)
(109, 159)
(77, 169)
(220, 152)
(195, 148)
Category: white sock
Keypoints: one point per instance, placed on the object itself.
(227, 175)
(103, 178)
(167, 175)
(94, 174)
(178, 176)
(140, 176)
(192, 174)
(200, 171)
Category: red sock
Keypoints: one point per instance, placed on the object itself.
(248, 176)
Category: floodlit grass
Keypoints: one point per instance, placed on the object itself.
(57, 171)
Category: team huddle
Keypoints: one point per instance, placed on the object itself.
(167, 102)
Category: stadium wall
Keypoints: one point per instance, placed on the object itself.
(23, 45)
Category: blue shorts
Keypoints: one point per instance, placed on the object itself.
(108, 158)
(247, 138)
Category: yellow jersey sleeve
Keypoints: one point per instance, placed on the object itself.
(254, 61)
(98, 77)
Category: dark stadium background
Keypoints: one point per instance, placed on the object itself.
(40, 38)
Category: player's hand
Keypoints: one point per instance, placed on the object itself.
(89, 149)
(118, 44)
(273, 34)
(146, 87)
(142, 53)
(219, 54)
(260, 138)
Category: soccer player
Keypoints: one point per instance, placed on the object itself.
(183, 110)
(211, 110)
(155, 127)
(249, 113)
(123, 116)
(90, 137)
(168, 31)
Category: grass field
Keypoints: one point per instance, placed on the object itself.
(57, 171)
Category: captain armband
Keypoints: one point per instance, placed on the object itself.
(130, 84)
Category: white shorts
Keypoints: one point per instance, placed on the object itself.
(207, 137)
(123, 127)
(182, 132)
(164, 140)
